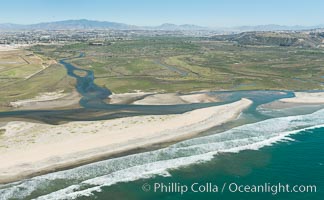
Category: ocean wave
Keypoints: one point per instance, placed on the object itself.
(87, 179)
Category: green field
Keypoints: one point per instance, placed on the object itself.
(163, 64)
(24, 75)
(191, 64)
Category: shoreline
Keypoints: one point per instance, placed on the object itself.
(154, 98)
(49, 100)
(32, 149)
(306, 98)
(300, 99)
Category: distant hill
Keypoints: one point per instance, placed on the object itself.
(79, 24)
(68, 24)
(167, 26)
(92, 24)
(270, 38)
(83, 24)
(273, 27)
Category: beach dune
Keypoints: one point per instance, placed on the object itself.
(28, 149)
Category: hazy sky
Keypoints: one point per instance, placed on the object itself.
(214, 13)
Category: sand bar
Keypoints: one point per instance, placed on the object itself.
(306, 97)
(28, 149)
(174, 98)
(127, 98)
(48, 100)
(145, 98)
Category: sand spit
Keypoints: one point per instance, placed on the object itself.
(127, 98)
(306, 98)
(48, 100)
(144, 98)
(173, 98)
(28, 149)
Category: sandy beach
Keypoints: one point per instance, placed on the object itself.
(300, 99)
(49, 100)
(306, 97)
(127, 98)
(145, 98)
(30, 149)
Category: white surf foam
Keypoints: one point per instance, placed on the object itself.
(84, 180)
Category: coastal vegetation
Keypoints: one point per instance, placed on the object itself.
(24, 75)
(168, 64)
(171, 64)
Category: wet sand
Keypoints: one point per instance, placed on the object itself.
(144, 98)
(30, 149)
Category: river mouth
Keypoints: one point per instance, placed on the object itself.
(240, 135)
(90, 179)
(95, 107)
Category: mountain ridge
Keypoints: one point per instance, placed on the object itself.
(95, 24)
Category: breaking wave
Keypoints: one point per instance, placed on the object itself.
(84, 180)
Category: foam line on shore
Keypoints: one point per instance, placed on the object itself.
(87, 179)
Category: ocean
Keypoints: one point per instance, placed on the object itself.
(298, 162)
(272, 154)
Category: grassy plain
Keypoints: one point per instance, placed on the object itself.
(191, 64)
(24, 75)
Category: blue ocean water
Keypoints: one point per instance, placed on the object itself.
(286, 150)
(274, 147)
(298, 162)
